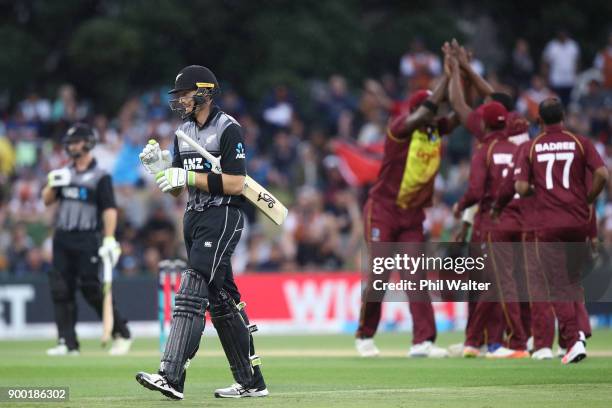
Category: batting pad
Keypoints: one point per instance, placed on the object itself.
(187, 325)
(235, 338)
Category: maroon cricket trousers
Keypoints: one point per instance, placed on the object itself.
(387, 223)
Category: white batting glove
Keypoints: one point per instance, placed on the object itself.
(110, 250)
(174, 177)
(58, 178)
(154, 159)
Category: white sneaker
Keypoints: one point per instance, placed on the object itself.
(576, 354)
(503, 352)
(366, 347)
(120, 346)
(561, 352)
(427, 349)
(156, 382)
(62, 350)
(544, 353)
(530, 344)
(238, 391)
(455, 350)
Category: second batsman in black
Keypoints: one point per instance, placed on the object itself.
(85, 223)
(212, 226)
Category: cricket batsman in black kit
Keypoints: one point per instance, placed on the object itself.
(212, 226)
(86, 208)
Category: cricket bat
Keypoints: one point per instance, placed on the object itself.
(107, 303)
(253, 191)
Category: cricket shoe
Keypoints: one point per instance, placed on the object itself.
(455, 350)
(366, 347)
(503, 352)
(62, 350)
(544, 353)
(427, 349)
(238, 391)
(120, 346)
(562, 351)
(156, 382)
(576, 354)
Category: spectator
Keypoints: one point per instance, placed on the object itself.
(35, 109)
(595, 105)
(65, 106)
(127, 167)
(26, 204)
(264, 254)
(284, 155)
(151, 259)
(522, 64)
(310, 235)
(108, 146)
(530, 99)
(36, 263)
(561, 59)
(336, 102)
(278, 108)
(21, 244)
(419, 65)
(159, 232)
(603, 62)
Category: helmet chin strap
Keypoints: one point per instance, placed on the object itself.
(197, 107)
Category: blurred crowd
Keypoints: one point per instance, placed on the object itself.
(291, 149)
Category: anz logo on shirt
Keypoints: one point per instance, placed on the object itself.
(240, 151)
(196, 163)
(75, 193)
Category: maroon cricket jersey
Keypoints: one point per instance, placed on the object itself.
(521, 208)
(480, 187)
(409, 167)
(500, 168)
(557, 164)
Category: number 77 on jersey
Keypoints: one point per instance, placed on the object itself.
(252, 191)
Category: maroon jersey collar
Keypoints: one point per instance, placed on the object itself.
(553, 128)
(495, 135)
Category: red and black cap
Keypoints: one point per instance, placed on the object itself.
(195, 77)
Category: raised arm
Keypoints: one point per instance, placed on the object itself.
(403, 126)
(480, 84)
(455, 92)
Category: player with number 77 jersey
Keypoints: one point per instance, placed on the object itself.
(555, 164)
(555, 167)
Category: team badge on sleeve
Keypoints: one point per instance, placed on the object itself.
(375, 234)
(240, 151)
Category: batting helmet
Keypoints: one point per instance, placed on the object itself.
(78, 132)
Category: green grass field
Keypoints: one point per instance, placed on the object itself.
(318, 371)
